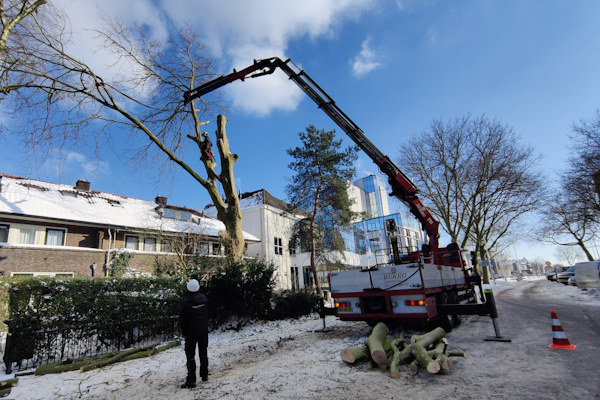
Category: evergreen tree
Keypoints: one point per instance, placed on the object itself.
(319, 188)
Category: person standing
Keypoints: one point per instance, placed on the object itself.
(193, 320)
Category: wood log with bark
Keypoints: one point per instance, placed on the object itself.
(375, 344)
(88, 363)
(7, 385)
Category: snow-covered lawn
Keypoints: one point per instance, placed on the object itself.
(292, 360)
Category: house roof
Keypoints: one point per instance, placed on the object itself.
(34, 198)
(255, 199)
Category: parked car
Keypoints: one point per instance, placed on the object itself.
(551, 276)
(588, 274)
(563, 277)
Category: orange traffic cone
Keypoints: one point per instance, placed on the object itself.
(559, 338)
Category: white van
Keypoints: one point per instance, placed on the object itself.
(587, 274)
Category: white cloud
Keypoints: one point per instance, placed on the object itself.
(365, 61)
(235, 31)
(90, 168)
(241, 31)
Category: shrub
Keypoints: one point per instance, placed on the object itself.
(48, 313)
(119, 265)
(289, 304)
(241, 289)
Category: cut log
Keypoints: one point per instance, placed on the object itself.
(456, 353)
(70, 365)
(425, 361)
(151, 351)
(429, 338)
(375, 344)
(400, 355)
(351, 355)
(168, 346)
(8, 383)
(114, 359)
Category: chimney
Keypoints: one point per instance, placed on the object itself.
(161, 200)
(82, 185)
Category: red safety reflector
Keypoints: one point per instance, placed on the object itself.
(415, 303)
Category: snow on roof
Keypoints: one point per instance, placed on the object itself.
(33, 198)
(252, 200)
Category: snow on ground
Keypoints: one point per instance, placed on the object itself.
(291, 359)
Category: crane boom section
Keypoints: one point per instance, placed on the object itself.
(402, 187)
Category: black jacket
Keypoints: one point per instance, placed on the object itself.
(193, 314)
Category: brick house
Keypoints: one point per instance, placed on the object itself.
(61, 230)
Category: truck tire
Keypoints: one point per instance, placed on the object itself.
(447, 322)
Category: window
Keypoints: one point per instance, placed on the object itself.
(132, 242)
(178, 214)
(216, 249)
(278, 246)
(295, 281)
(308, 277)
(292, 247)
(203, 248)
(27, 236)
(55, 237)
(166, 246)
(149, 244)
(4, 233)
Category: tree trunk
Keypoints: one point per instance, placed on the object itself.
(425, 361)
(351, 355)
(228, 209)
(399, 357)
(313, 250)
(583, 247)
(375, 344)
(429, 337)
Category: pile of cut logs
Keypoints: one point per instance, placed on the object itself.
(428, 351)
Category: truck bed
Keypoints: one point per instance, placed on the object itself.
(397, 277)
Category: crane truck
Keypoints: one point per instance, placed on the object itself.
(432, 284)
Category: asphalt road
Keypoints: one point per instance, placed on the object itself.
(527, 306)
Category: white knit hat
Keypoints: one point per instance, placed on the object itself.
(193, 286)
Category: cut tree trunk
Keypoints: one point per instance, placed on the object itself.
(375, 344)
(429, 338)
(352, 355)
(425, 361)
(399, 357)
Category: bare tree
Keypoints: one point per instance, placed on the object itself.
(582, 178)
(572, 216)
(564, 224)
(568, 253)
(67, 99)
(476, 177)
(13, 15)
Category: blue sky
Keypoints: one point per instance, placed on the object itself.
(392, 66)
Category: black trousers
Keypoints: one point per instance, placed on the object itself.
(191, 342)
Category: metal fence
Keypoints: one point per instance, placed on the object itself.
(27, 349)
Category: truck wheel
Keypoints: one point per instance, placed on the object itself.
(453, 299)
(455, 320)
(372, 322)
(442, 321)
